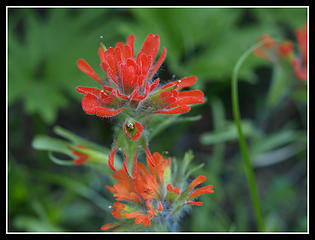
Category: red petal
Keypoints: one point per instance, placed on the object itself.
(154, 84)
(194, 203)
(151, 46)
(109, 226)
(121, 96)
(111, 158)
(187, 101)
(175, 190)
(158, 64)
(150, 159)
(130, 215)
(105, 112)
(125, 163)
(200, 191)
(82, 159)
(160, 208)
(181, 109)
(130, 43)
(85, 67)
(198, 180)
(135, 170)
(192, 93)
(285, 48)
(299, 72)
(86, 90)
(90, 103)
(186, 82)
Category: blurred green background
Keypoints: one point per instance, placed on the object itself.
(43, 47)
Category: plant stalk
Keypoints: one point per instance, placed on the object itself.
(243, 146)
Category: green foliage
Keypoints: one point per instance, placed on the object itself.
(96, 153)
(43, 47)
(42, 58)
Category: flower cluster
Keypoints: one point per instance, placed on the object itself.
(151, 196)
(272, 51)
(129, 85)
(129, 89)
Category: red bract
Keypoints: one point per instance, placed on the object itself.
(81, 157)
(285, 49)
(129, 83)
(133, 129)
(271, 51)
(151, 195)
(265, 51)
(300, 64)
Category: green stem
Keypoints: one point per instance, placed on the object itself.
(244, 150)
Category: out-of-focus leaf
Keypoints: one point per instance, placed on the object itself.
(275, 140)
(33, 224)
(228, 133)
(79, 140)
(42, 142)
(77, 212)
(43, 47)
(277, 155)
(300, 95)
(97, 154)
(77, 187)
(159, 123)
(282, 15)
(280, 84)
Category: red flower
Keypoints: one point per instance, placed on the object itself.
(300, 64)
(82, 158)
(265, 51)
(129, 83)
(133, 129)
(271, 51)
(144, 196)
(285, 49)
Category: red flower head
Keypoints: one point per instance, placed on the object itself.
(151, 195)
(129, 84)
(285, 49)
(300, 64)
(265, 51)
(271, 51)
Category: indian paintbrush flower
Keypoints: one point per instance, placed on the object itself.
(151, 197)
(129, 84)
(275, 52)
(131, 91)
(300, 63)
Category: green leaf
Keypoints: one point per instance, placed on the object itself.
(77, 187)
(275, 140)
(300, 95)
(97, 154)
(280, 84)
(32, 224)
(228, 133)
(42, 142)
(43, 52)
(79, 140)
(160, 123)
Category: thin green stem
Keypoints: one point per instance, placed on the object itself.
(243, 146)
